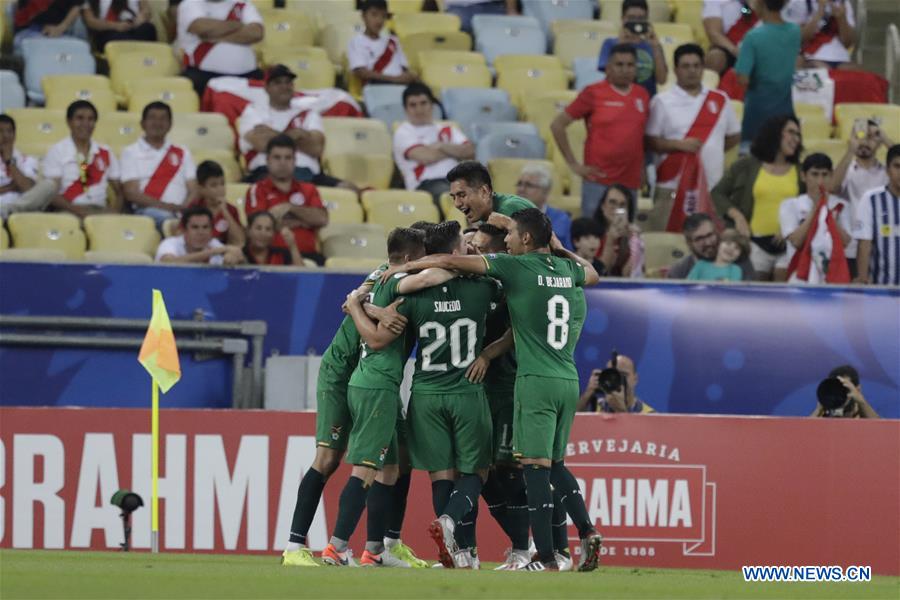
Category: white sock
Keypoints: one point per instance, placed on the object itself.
(391, 542)
(294, 546)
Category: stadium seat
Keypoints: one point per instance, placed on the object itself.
(429, 22)
(12, 94)
(661, 250)
(326, 11)
(38, 128)
(116, 48)
(415, 43)
(510, 145)
(364, 136)
(54, 56)
(202, 130)
(459, 57)
(343, 206)
(363, 170)
(672, 35)
(314, 71)
(402, 7)
(815, 126)
(505, 173)
(451, 75)
(351, 263)
(489, 22)
(732, 154)
(451, 213)
(548, 11)
(62, 90)
(121, 233)
(336, 37)
(846, 113)
(586, 72)
(177, 92)
(689, 12)
(4, 237)
(273, 56)
(361, 241)
(499, 35)
(476, 106)
(236, 195)
(611, 10)
(396, 208)
(385, 103)
(542, 108)
(287, 28)
(834, 149)
(580, 39)
(170, 227)
(804, 109)
(567, 202)
(136, 63)
(118, 129)
(225, 158)
(117, 257)
(50, 231)
(479, 130)
(523, 76)
(48, 255)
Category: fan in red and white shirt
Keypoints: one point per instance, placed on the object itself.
(82, 168)
(375, 55)
(726, 22)
(217, 39)
(294, 204)
(114, 20)
(158, 177)
(19, 189)
(426, 151)
(828, 31)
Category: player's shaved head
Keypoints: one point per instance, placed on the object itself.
(443, 238)
(405, 244)
(535, 223)
(490, 239)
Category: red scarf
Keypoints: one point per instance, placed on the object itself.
(203, 48)
(164, 173)
(692, 196)
(91, 174)
(701, 128)
(386, 56)
(745, 23)
(32, 9)
(838, 270)
(826, 33)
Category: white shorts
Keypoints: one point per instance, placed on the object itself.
(764, 262)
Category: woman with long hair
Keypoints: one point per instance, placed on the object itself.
(259, 249)
(621, 248)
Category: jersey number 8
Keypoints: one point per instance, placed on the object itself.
(439, 333)
(558, 322)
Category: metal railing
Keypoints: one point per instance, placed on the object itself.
(217, 343)
(892, 62)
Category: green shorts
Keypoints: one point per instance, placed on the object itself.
(449, 431)
(544, 410)
(373, 439)
(333, 423)
(501, 404)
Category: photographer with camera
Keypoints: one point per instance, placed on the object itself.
(612, 390)
(637, 31)
(840, 396)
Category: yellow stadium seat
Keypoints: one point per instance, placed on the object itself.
(201, 130)
(834, 149)
(803, 109)
(48, 255)
(145, 61)
(314, 71)
(62, 90)
(505, 173)
(38, 128)
(343, 206)
(364, 136)
(661, 250)
(430, 22)
(356, 264)
(611, 10)
(363, 170)
(177, 92)
(574, 38)
(451, 213)
(273, 56)
(523, 76)
(325, 11)
(4, 238)
(675, 31)
(542, 108)
(732, 154)
(117, 257)
(447, 75)
(459, 57)
(414, 44)
(236, 195)
(569, 203)
(125, 233)
(371, 198)
(400, 209)
(285, 28)
(815, 127)
(116, 48)
(689, 12)
(50, 231)
(118, 129)
(226, 160)
(335, 38)
(365, 240)
(403, 7)
(847, 113)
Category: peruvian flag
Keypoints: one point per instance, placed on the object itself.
(836, 269)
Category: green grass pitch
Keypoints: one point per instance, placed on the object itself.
(70, 574)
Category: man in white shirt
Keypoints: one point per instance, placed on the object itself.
(197, 244)
(828, 31)
(217, 38)
(375, 56)
(726, 22)
(82, 169)
(158, 177)
(426, 151)
(19, 190)
(687, 119)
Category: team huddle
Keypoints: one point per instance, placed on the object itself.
(494, 315)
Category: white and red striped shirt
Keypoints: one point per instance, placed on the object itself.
(143, 162)
(383, 54)
(299, 116)
(409, 136)
(83, 180)
(220, 57)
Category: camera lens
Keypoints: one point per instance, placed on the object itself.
(610, 380)
(831, 394)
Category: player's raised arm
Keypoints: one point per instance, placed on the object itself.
(424, 279)
(591, 277)
(465, 264)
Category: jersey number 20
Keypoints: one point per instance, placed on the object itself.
(558, 322)
(439, 333)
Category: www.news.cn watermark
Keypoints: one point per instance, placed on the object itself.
(818, 573)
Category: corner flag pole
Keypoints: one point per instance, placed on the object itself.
(154, 469)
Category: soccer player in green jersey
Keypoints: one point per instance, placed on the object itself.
(373, 400)
(473, 194)
(543, 295)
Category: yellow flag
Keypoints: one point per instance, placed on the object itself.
(158, 352)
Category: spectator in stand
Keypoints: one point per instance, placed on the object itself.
(114, 20)
(376, 56)
(856, 405)
(283, 115)
(765, 67)
(226, 225)
(217, 38)
(46, 18)
(535, 182)
(196, 245)
(689, 118)
(82, 168)
(621, 247)
(586, 236)
(615, 112)
(637, 32)
(726, 22)
(295, 204)
(796, 217)
(828, 31)
(622, 400)
(19, 189)
(876, 228)
(749, 195)
(733, 247)
(157, 176)
(703, 240)
(466, 9)
(259, 249)
(426, 151)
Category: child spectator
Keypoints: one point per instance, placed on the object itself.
(878, 255)
(637, 31)
(375, 57)
(259, 249)
(733, 247)
(226, 223)
(113, 20)
(586, 237)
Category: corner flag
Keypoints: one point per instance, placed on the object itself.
(158, 353)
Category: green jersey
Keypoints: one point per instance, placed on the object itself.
(448, 320)
(501, 375)
(342, 354)
(383, 369)
(543, 295)
(507, 204)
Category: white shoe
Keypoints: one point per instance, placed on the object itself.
(565, 562)
(532, 549)
(437, 565)
(462, 559)
(441, 531)
(515, 560)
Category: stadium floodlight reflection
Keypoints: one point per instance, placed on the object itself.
(128, 502)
